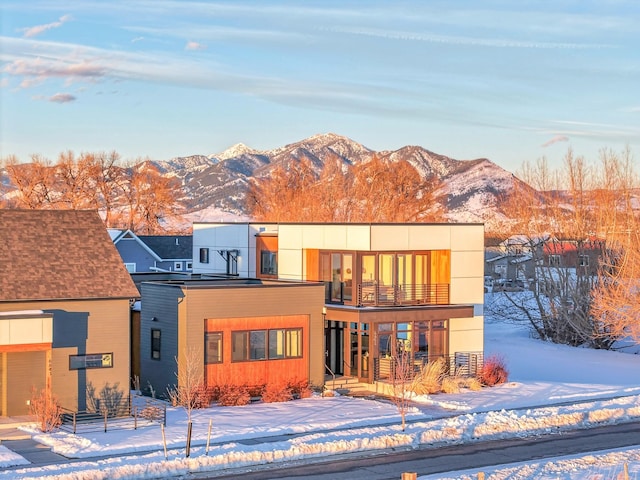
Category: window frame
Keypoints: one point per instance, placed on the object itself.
(204, 255)
(268, 258)
(288, 336)
(156, 344)
(207, 340)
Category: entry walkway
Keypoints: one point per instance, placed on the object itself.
(34, 452)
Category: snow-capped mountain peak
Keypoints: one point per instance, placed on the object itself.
(235, 151)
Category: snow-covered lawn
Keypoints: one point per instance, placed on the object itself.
(595, 387)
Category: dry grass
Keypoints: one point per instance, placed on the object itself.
(429, 379)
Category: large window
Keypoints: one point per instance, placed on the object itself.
(155, 344)
(266, 344)
(268, 262)
(212, 347)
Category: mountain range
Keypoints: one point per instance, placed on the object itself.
(215, 186)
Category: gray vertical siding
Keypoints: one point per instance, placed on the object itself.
(160, 302)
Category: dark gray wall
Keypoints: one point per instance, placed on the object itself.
(159, 302)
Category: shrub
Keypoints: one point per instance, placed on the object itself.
(451, 384)
(429, 379)
(202, 396)
(256, 390)
(276, 392)
(233, 395)
(493, 371)
(45, 408)
(300, 388)
(473, 384)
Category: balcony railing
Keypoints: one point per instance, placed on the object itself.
(371, 294)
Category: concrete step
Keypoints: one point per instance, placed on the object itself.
(345, 385)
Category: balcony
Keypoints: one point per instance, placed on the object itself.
(375, 295)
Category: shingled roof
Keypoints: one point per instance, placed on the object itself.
(59, 255)
(169, 247)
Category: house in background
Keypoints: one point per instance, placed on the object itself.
(238, 331)
(583, 255)
(513, 258)
(64, 308)
(153, 253)
(388, 288)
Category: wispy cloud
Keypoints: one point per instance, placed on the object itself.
(556, 139)
(461, 40)
(195, 46)
(62, 98)
(38, 29)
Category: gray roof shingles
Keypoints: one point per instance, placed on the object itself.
(169, 246)
(59, 254)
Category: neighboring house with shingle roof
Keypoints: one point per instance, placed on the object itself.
(153, 253)
(64, 308)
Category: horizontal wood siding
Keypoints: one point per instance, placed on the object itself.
(248, 302)
(257, 372)
(85, 327)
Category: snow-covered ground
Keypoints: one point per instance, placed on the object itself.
(596, 387)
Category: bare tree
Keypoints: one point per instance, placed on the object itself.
(373, 191)
(34, 182)
(75, 182)
(402, 377)
(581, 209)
(188, 393)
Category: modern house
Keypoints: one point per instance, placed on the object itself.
(65, 298)
(387, 288)
(238, 331)
(153, 253)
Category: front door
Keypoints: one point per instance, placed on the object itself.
(359, 358)
(334, 347)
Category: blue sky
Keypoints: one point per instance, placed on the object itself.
(510, 81)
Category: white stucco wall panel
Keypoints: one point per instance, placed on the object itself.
(24, 331)
(390, 237)
(430, 237)
(467, 237)
(467, 264)
(290, 264)
(358, 237)
(467, 290)
(466, 335)
(289, 237)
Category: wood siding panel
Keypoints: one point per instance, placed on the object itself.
(265, 243)
(251, 301)
(312, 265)
(257, 372)
(32, 347)
(441, 266)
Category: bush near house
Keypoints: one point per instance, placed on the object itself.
(45, 408)
(493, 371)
(233, 395)
(300, 388)
(276, 392)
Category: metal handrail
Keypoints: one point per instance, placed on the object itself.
(333, 375)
